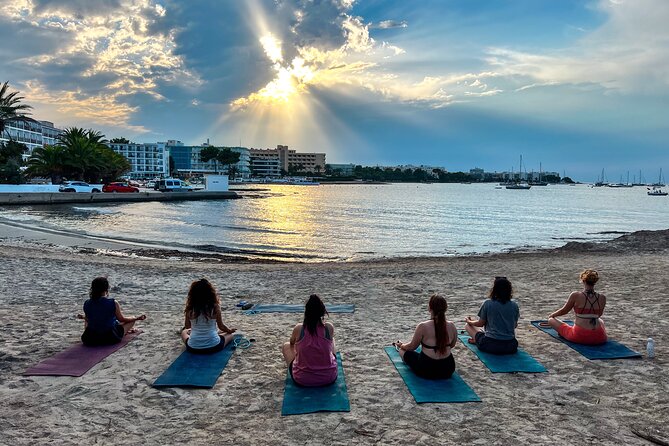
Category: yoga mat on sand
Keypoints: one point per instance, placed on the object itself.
(519, 362)
(610, 350)
(77, 360)
(300, 400)
(452, 390)
(195, 370)
(298, 308)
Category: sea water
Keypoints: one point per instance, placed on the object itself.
(353, 222)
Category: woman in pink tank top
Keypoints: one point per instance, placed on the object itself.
(310, 354)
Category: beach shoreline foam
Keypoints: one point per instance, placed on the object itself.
(577, 401)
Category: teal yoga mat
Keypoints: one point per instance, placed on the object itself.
(610, 350)
(300, 400)
(195, 370)
(452, 390)
(519, 362)
(297, 308)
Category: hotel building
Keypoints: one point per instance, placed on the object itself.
(187, 161)
(148, 160)
(309, 162)
(31, 133)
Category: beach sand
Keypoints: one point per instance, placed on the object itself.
(45, 282)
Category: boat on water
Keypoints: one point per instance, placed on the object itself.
(657, 192)
(521, 185)
(518, 184)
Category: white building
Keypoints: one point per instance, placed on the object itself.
(31, 133)
(266, 167)
(148, 160)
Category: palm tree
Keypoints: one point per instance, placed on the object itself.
(228, 157)
(47, 161)
(11, 107)
(81, 148)
(210, 153)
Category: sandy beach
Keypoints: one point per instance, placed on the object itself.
(45, 282)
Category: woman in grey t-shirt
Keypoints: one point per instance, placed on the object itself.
(494, 331)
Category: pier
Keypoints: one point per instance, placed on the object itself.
(40, 198)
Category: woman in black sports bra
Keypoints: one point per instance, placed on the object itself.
(436, 337)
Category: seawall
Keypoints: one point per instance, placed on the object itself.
(23, 198)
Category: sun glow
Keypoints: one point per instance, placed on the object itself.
(289, 79)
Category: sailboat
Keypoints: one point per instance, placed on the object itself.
(521, 185)
(539, 182)
(656, 191)
(601, 181)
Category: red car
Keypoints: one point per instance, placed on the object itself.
(119, 187)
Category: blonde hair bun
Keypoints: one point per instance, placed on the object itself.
(589, 276)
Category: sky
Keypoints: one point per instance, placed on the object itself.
(575, 86)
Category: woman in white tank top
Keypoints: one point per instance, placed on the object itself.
(203, 320)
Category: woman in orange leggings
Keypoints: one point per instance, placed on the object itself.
(588, 307)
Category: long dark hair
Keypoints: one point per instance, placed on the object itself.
(99, 287)
(314, 310)
(438, 307)
(202, 300)
(502, 290)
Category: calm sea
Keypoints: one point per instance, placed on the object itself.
(351, 222)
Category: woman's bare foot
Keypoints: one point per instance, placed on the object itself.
(471, 340)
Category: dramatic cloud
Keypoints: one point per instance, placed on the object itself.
(104, 54)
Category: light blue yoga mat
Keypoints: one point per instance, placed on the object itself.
(452, 390)
(610, 350)
(300, 400)
(297, 308)
(195, 370)
(519, 362)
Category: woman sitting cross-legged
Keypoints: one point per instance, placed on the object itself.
(203, 320)
(310, 353)
(436, 337)
(495, 330)
(105, 322)
(588, 308)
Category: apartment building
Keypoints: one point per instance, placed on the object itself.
(148, 160)
(31, 133)
(187, 161)
(308, 162)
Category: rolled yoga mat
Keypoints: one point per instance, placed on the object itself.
(452, 390)
(519, 362)
(78, 359)
(299, 400)
(609, 350)
(195, 370)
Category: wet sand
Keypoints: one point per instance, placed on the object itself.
(45, 282)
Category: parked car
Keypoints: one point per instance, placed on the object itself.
(78, 186)
(119, 187)
(172, 185)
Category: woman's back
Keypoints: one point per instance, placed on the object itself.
(588, 307)
(204, 333)
(429, 339)
(314, 363)
(100, 314)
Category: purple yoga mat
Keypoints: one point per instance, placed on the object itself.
(76, 360)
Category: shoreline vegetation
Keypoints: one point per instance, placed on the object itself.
(578, 401)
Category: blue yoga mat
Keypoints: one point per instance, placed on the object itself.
(452, 390)
(519, 362)
(300, 400)
(195, 370)
(297, 308)
(609, 350)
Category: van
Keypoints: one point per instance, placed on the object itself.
(172, 185)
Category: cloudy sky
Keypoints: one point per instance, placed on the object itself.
(577, 85)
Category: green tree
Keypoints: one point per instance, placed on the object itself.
(228, 157)
(210, 153)
(11, 160)
(48, 162)
(119, 141)
(82, 149)
(11, 107)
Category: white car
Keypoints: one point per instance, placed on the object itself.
(78, 186)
